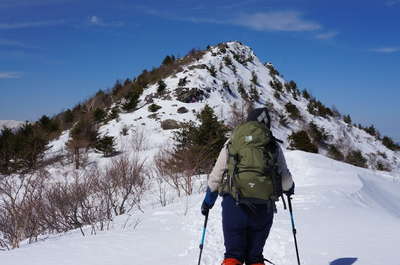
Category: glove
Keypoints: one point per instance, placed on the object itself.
(289, 192)
(208, 201)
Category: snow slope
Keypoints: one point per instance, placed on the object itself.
(344, 215)
(10, 124)
(221, 91)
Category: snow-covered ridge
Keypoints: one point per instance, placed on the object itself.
(10, 124)
(216, 79)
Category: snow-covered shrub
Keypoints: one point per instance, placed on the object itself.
(318, 135)
(293, 111)
(212, 71)
(334, 152)
(183, 81)
(272, 70)
(254, 78)
(242, 91)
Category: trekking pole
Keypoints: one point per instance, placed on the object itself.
(203, 237)
(293, 228)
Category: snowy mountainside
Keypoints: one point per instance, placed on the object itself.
(343, 214)
(10, 124)
(220, 78)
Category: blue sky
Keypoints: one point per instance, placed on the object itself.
(55, 53)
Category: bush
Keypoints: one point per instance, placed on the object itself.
(204, 140)
(272, 70)
(168, 60)
(99, 115)
(301, 141)
(381, 166)
(161, 87)
(82, 136)
(319, 135)
(132, 99)
(227, 60)
(253, 94)
(68, 116)
(347, 119)
(182, 81)
(242, 91)
(372, 131)
(293, 111)
(389, 143)
(189, 95)
(154, 107)
(114, 113)
(315, 107)
(212, 70)
(334, 152)
(106, 145)
(22, 150)
(283, 120)
(48, 124)
(356, 158)
(306, 94)
(277, 85)
(254, 78)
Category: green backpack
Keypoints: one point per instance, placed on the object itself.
(252, 165)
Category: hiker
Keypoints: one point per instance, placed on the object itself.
(250, 174)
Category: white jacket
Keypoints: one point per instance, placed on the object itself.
(220, 166)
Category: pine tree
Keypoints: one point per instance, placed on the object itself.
(161, 87)
(301, 141)
(347, 119)
(99, 115)
(204, 140)
(106, 145)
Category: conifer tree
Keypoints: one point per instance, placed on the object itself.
(204, 140)
(106, 145)
(161, 87)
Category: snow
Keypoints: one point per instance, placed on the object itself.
(342, 135)
(341, 212)
(10, 124)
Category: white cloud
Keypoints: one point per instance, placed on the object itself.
(21, 25)
(10, 75)
(392, 2)
(98, 21)
(277, 21)
(327, 35)
(386, 49)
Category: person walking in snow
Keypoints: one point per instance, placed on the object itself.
(250, 174)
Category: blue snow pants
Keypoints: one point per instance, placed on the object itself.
(245, 230)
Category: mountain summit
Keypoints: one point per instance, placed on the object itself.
(229, 77)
